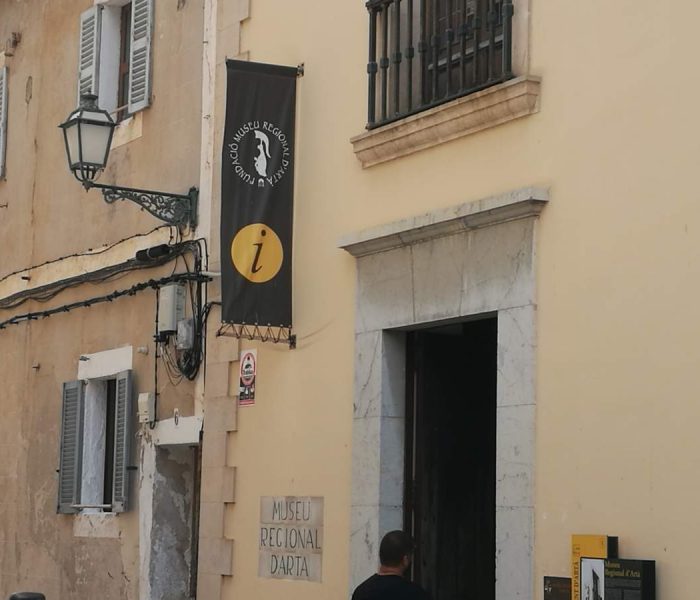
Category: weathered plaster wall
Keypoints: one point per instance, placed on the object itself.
(41, 550)
(48, 216)
(78, 556)
(40, 189)
(171, 549)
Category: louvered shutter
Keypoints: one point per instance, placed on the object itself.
(122, 442)
(140, 60)
(3, 119)
(89, 57)
(70, 469)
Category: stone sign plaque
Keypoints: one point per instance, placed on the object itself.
(291, 537)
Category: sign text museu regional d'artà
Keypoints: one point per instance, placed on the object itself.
(291, 537)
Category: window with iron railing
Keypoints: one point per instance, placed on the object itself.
(423, 53)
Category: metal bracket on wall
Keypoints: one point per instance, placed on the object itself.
(175, 209)
(268, 333)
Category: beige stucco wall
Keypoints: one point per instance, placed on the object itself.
(616, 439)
(48, 215)
(615, 141)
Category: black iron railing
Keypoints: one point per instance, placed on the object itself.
(426, 52)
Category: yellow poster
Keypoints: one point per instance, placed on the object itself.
(591, 546)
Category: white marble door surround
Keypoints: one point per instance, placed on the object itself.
(475, 258)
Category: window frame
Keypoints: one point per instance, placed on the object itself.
(107, 51)
(419, 59)
(491, 107)
(83, 473)
(123, 75)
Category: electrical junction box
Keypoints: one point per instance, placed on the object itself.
(185, 334)
(147, 407)
(171, 307)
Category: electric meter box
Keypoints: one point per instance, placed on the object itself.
(171, 307)
(147, 407)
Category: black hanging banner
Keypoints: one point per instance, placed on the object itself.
(257, 194)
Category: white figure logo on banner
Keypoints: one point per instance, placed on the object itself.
(269, 140)
(263, 147)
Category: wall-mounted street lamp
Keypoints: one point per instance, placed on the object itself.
(88, 136)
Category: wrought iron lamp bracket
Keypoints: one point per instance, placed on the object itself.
(175, 209)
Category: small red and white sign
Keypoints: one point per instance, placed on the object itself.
(248, 368)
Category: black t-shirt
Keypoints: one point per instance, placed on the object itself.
(389, 587)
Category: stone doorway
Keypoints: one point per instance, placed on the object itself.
(452, 264)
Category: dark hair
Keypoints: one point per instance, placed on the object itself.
(395, 545)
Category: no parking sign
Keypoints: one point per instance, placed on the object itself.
(248, 366)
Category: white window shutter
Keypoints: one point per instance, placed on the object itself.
(70, 469)
(122, 441)
(3, 119)
(140, 60)
(89, 53)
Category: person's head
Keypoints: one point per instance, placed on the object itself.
(395, 550)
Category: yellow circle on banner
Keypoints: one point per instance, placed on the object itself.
(257, 253)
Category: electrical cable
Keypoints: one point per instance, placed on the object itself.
(131, 291)
(89, 252)
(51, 290)
(185, 363)
(206, 307)
(154, 420)
(188, 361)
(175, 376)
(178, 364)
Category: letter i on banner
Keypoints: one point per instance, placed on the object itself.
(257, 194)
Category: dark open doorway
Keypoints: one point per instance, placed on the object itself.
(450, 458)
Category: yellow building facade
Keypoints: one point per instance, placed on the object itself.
(492, 344)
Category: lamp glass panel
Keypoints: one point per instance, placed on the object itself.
(71, 133)
(95, 141)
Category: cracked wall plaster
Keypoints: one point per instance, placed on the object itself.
(171, 533)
